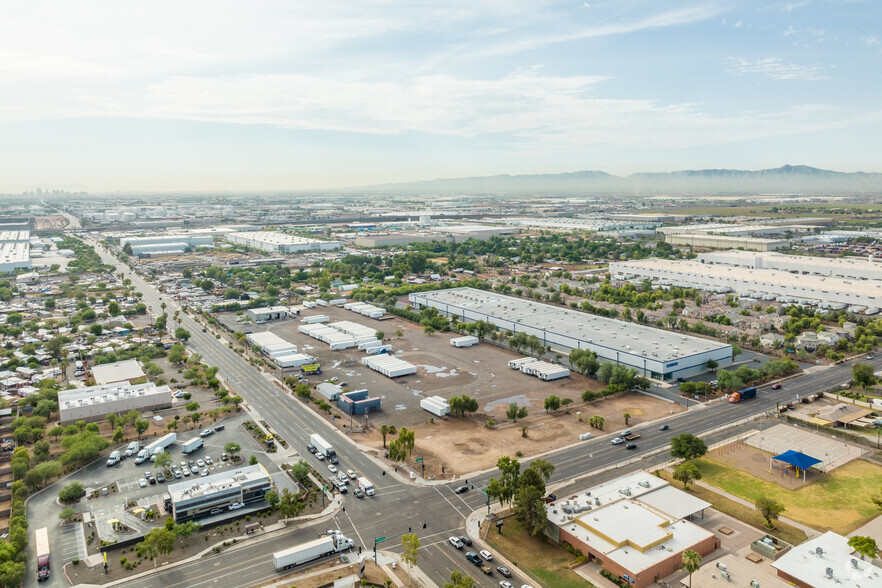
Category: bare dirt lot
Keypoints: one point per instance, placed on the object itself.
(464, 445)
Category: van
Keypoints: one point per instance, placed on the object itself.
(142, 457)
(113, 459)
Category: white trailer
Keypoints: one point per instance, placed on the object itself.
(435, 405)
(560, 372)
(311, 550)
(316, 318)
(379, 349)
(321, 302)
(324, 447)
(338, 302)
(369, 344)
(464, 341)
(293, 360)
(192, 445)
(161, 444)
(389, 366)
(516, 364)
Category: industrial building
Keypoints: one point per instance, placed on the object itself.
(593, 223)
(282, 243)
(827, 560)
(212, 495)
(167, 243)
(858, 295)
(120, 371)
(654, 353)
(96, 402)
(357, 402)
(456, 233)
(15, 256)
(636, 527)
(726, 241)
(852, 268)
(268, 313)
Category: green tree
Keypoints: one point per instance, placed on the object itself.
(627, 417)
(272, 498)
(141, 425)
(862, 374)
(865, 546)
(769, 509)
(386, 430)
(552, 403)
(67, 514)
(191, 406)
(687, 472)
(56, 431)
(460, 580)
(300, 471)
(186, 530)
(691, 562)
(252, 460)
(118, 435)
(182, 334)
(687, 446)
(82, 447)
(71, 493)
(529, 509)
(159, 541)
(163, 460)
(511, 412)
(380, 335)
(411, 544)
(233, 448)
(289, 506)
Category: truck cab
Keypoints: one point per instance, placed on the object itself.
(113, 459)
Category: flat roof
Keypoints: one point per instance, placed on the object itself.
(108, 393)
(756, 279)
(14, 251)
(15, 236)
(119, 371)
(636, 339)
(809, 562)
(747, 258)
(725, 238)
(274, 238)
(217, 482)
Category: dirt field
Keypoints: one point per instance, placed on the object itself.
(464, 445)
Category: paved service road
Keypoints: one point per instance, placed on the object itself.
(398, 505)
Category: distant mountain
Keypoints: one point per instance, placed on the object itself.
(789, 179)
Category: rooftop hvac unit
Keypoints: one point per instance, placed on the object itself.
(854, 563)
(829, 573)
(819, 551)
(725, 576)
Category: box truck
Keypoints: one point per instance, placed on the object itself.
(366, 486)
(311, 550)
(192, 445)
(161, 444)
(323, 447)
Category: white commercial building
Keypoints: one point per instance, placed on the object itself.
(652, 352)
(726, 241)
(268, 313)
(754, 282)
(15, 256)
(178, 242)
(827, 561)
(278, 242)
(96, 402)
(214, 494)
(607, 223)
(120, 371)
(857, 268)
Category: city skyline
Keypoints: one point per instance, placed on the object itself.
(279, 97)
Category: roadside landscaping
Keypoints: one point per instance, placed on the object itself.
(545, 560)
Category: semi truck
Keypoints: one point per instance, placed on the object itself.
(743, 394)
(192, 445)
(311, 369)
(323, 447)
(311, 550)
(133, 449)
(161, 444)
(366, 486)
(41, 542)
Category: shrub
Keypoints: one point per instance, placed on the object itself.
(76, 561)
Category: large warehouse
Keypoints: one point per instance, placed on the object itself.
(278, 242)
(636, 527)
(752, 282)
(167, 243)
(856, 268)
(655, 353)
(96, 402)
(726, 241)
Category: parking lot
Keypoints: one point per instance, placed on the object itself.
(444, 370)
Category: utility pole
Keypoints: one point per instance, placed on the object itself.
(485, 494)
(378, 540)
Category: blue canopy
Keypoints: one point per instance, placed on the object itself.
(795, 458)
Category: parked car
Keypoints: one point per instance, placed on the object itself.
(160, 478)
(142, 483)
(179, 394)
(195, 470)
(208, 460)
(204, 472)
(455, 542)
(200, 463)
(462, 490)
(186, 471)
(236, 506)
(486, 555)
(224, 457)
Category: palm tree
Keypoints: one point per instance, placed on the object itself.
(691, 562)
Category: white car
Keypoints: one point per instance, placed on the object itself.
(456, 542)
(332, 468)
(319, 456)
(208, 460)
(505, 584)
(236, 505)
(200, 463)
(618, 441)
(204, 472)
(486, 555)
(179, 394)
(352, 475)
(142, 483)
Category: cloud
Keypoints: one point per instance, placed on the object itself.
(775, 68)
(871, 40)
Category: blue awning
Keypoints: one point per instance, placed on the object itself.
(795, 458)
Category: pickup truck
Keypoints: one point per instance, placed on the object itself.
(486, 569)
(631, 437)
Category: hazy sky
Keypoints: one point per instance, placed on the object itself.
(291, 95)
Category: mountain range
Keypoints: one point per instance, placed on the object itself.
(785, 180)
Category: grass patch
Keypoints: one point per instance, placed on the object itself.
(539, 555)
(838, 501)
(743, 513)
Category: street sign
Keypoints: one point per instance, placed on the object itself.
(419, 459)
(378, 539)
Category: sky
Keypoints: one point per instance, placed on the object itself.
(267, 95)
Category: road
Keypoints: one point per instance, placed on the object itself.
(398, 506)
